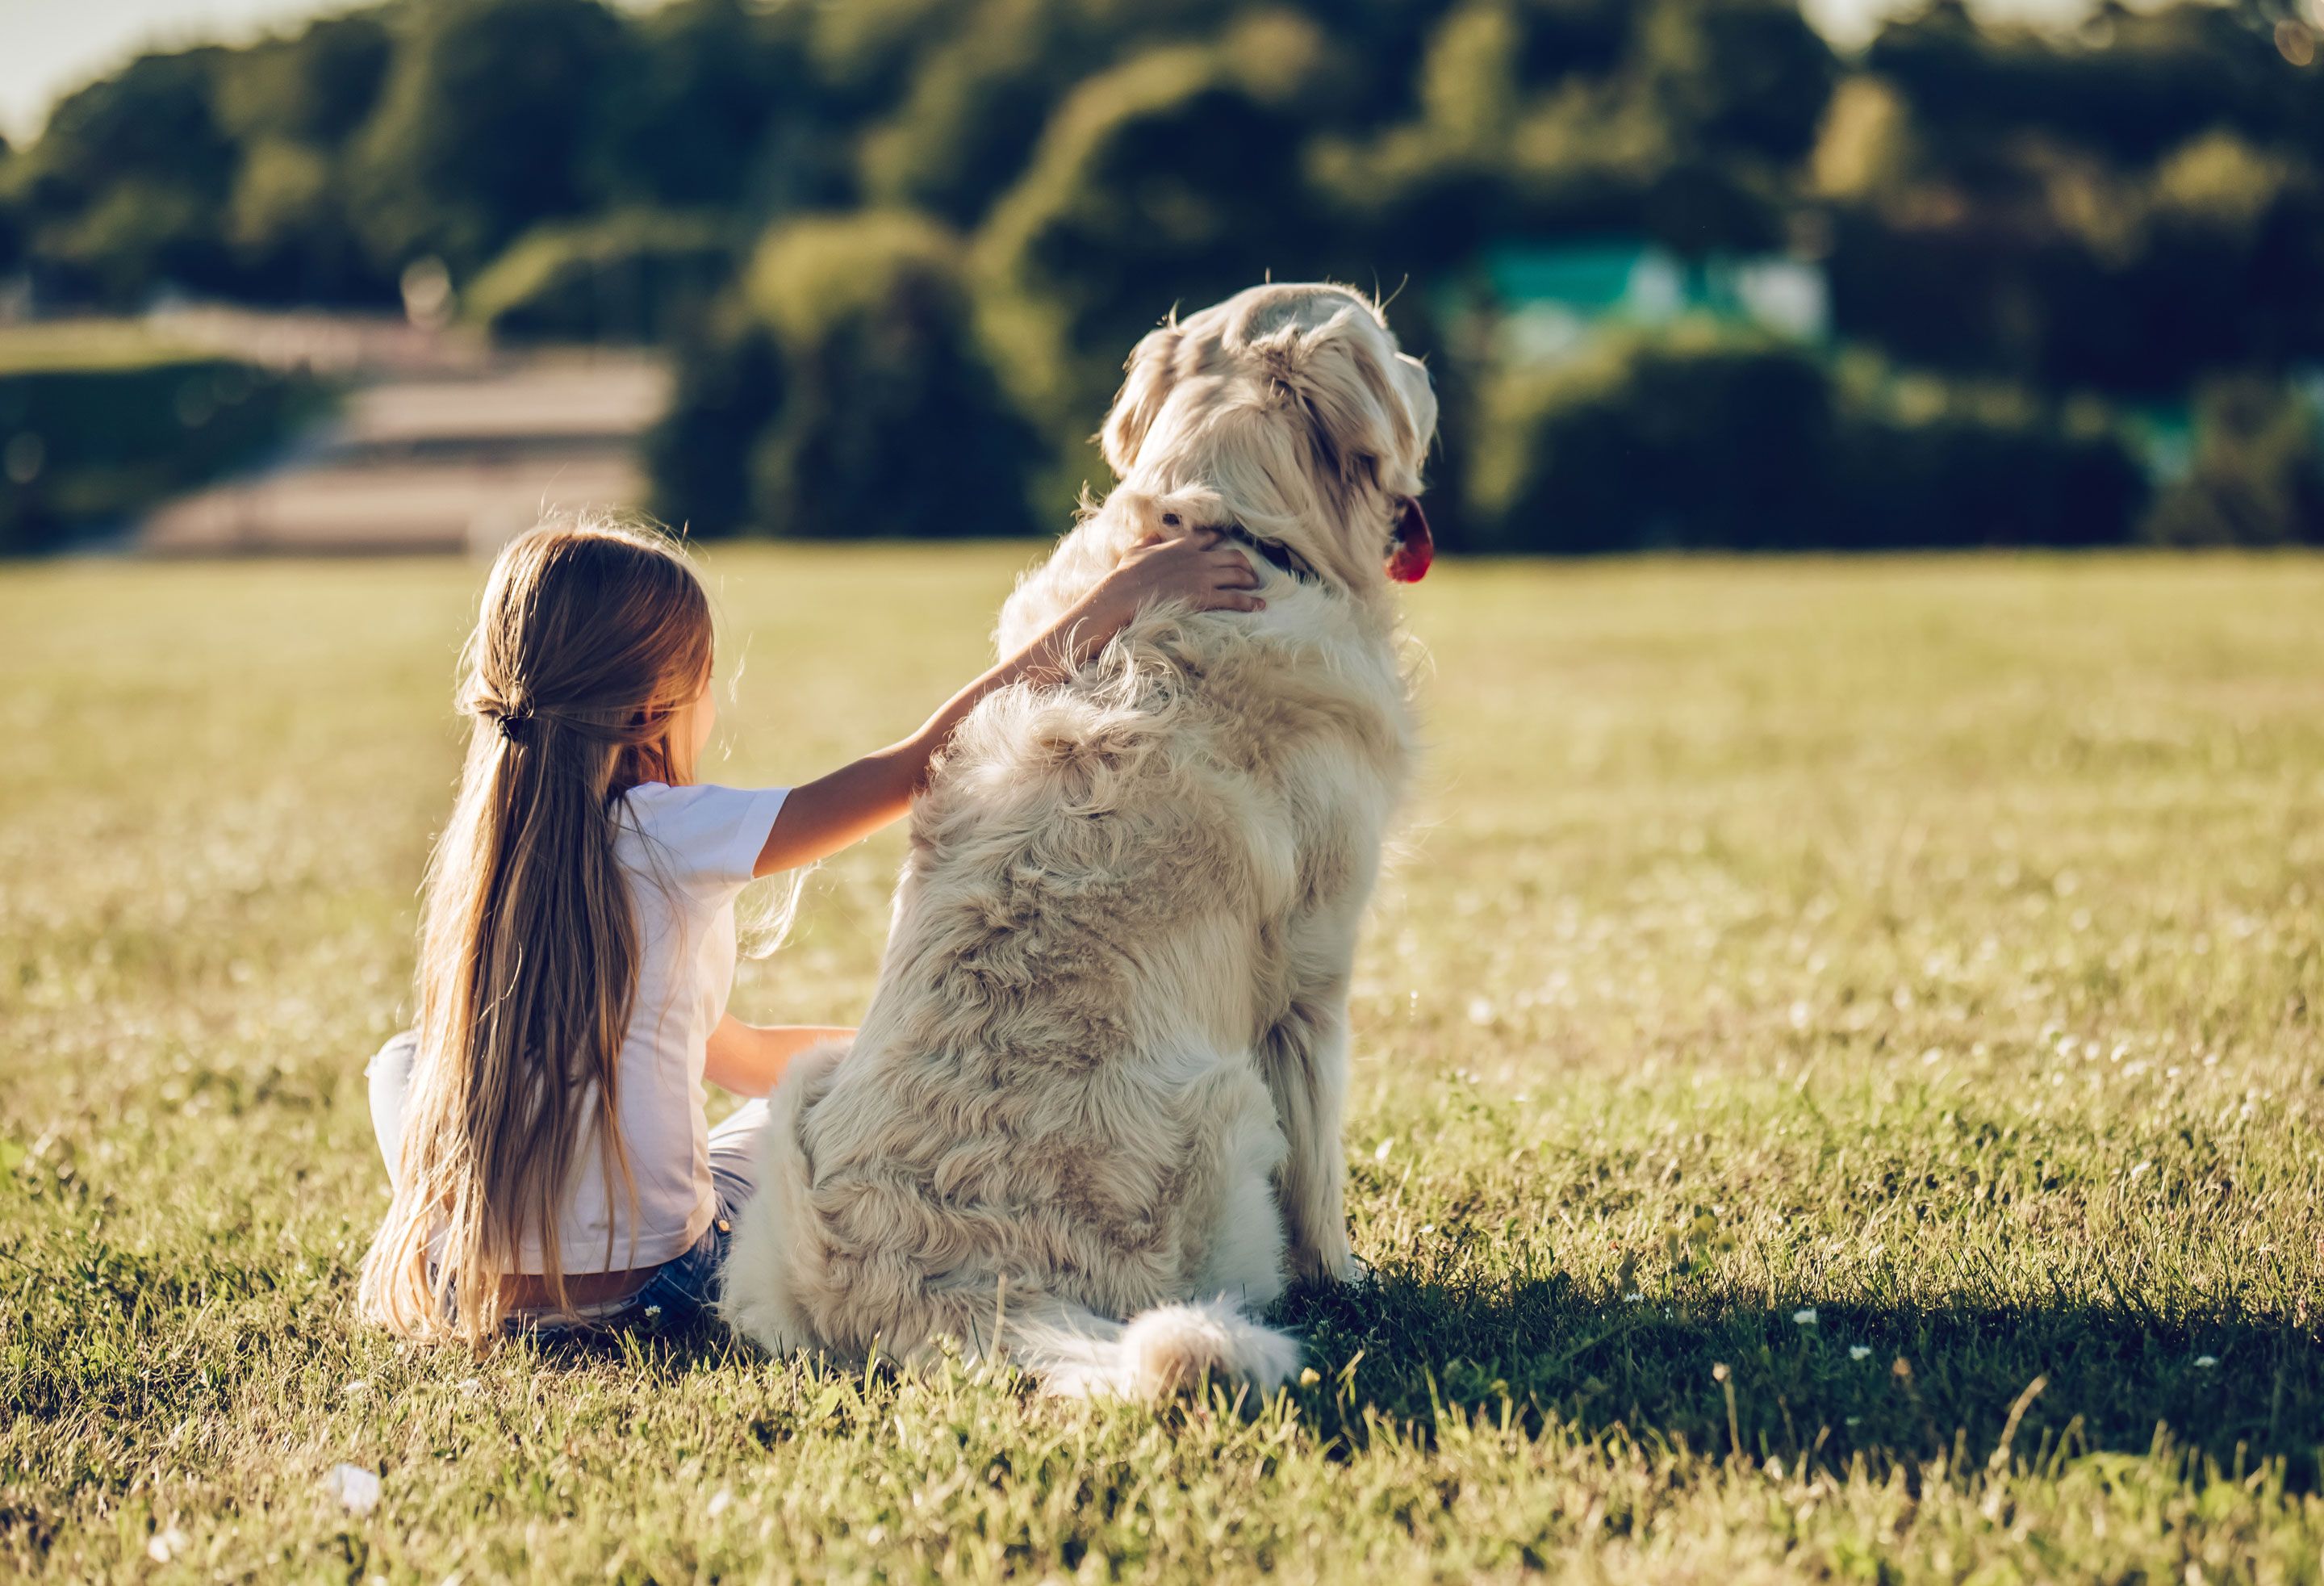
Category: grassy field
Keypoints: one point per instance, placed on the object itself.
(1838, 1097)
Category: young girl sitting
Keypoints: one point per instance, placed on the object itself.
(543, 1125)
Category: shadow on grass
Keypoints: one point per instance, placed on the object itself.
(1897, 1384)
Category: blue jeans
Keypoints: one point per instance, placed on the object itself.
(683, 1285)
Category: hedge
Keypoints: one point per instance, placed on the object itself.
(1708, 438)
(82, 446)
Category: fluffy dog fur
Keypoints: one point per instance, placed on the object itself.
(1102, 1073)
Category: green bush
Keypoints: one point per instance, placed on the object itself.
(728, 387)
(638, 276)
(1699, 439)
(843, 394)
(82, 445)
(1924, 465)
(2258, 477)
(1712, 439)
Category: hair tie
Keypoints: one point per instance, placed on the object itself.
(513, 719)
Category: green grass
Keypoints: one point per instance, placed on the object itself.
(1937, 945)
(86, 344)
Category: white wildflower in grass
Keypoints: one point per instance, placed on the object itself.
(164, 1546)
(1381, 1151)
(1428, 1228)
(1806, 1318)
(356, 1388)
(720, 1502)
(1860, 1352)
(356, 1487)
(2205, 1362)
(1309, 1377)
(1633, 1297)
(2141, 1171)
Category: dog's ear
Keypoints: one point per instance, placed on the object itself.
(1340, 372)
(1151, 374)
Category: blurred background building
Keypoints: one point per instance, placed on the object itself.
(1716, 273)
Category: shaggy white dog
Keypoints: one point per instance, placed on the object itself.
(1101, 1076)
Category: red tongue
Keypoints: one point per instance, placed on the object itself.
(1415, 546)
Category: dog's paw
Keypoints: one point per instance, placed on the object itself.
(1358, 1273)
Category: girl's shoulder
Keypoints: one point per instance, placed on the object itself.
(698, 833)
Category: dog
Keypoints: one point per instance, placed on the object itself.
(1091, 1124)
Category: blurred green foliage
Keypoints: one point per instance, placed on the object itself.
(2258, 477)
(1711, 439)
(2022, 228)
(91, 434)
(634, 275)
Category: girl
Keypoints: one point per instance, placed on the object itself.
(543, 1125)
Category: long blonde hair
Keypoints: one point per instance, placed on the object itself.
(592, 640)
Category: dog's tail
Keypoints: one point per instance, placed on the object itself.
(1158, 1354)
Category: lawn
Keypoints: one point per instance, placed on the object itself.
(1838, 1095)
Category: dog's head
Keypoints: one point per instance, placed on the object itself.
(1293, 405)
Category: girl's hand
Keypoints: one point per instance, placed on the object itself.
(826, 814)
(1199, 568)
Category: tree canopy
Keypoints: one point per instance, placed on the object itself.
(2130, 211)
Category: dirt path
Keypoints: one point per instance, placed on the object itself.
(436, 454)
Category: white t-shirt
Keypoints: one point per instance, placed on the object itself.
(686, 853)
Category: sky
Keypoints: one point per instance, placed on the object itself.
(48, 47)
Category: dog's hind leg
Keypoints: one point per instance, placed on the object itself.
(1244, 1259)
(1304, 1059)
(771, 1250)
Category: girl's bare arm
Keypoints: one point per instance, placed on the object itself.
(833, 811)
(748, 1059)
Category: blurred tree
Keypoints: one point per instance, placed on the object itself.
(2126, 209)
(639, 275)
(728, 387)
(1174, 178)
(2129, 207)
(491, 121)
(290, 231)
(890, 420)
(1704, 439)
(719, 106)
(977, 104)
(316, 87)
(124, 191)
(2258, 477)
(1738, 77)
(11, 227)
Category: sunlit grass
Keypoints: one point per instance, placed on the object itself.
(86, 344)
(1896, 982)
